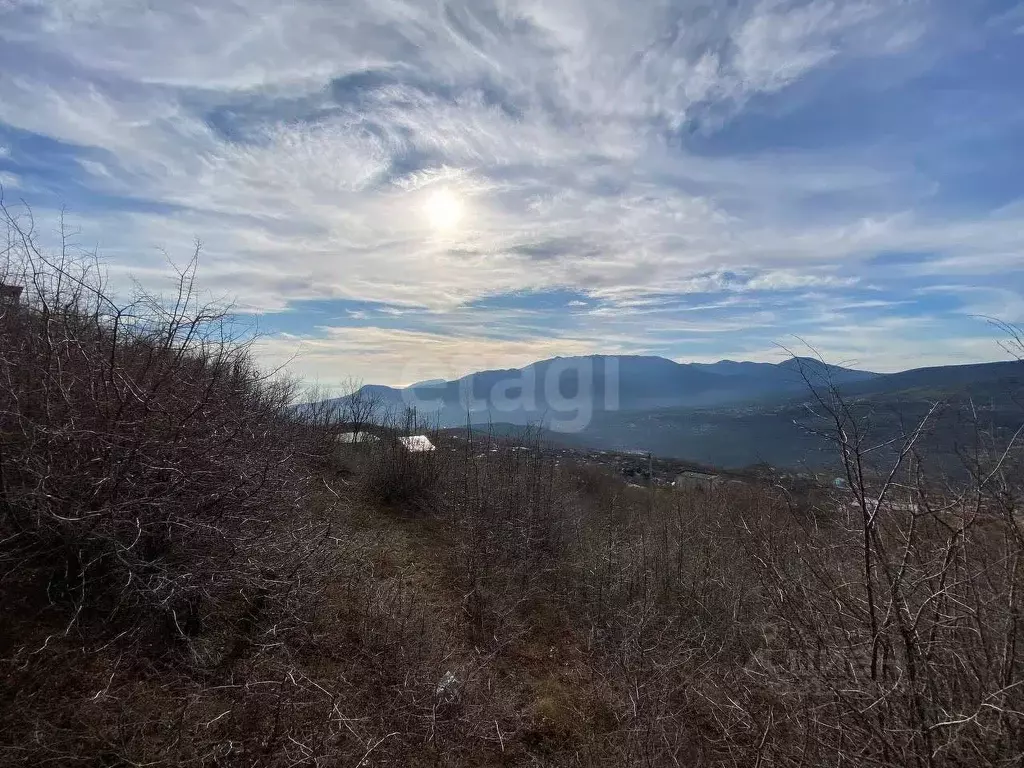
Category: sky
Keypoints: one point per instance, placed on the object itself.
(398, 191)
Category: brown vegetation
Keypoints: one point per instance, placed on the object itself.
(193, 573)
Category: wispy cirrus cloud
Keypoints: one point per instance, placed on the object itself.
(767, 158)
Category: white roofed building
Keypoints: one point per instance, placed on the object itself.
(357, 437)
(416, 443)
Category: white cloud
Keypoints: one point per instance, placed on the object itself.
(324, 201)
(382, 355)
(782, 280)
(298, 142)
(1011, 19)
(896, 344)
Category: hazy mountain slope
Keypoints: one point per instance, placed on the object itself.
(947, 379)
(789, 372)
(779, 431)
(568, 387)
(727, 413)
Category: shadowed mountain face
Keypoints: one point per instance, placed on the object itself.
(790, 431)
(565, 393)
(727, 413)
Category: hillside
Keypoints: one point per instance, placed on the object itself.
(562, 389)
(196, 572)
(727, 413)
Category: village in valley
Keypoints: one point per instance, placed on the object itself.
(639, 469)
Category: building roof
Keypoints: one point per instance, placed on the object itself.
(357, 437)
(417, 443)
(691, 478)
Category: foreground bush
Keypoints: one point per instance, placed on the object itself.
(153, 498)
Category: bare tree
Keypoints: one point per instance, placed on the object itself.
(361, 406)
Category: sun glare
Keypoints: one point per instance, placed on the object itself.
(444, 210)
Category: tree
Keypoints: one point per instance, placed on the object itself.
(361, 406)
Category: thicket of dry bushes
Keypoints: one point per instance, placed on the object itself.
(155, 498)
(193, 572)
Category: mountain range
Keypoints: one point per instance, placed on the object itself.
(564, 385)
(728, 413)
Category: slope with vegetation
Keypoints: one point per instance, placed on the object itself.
(563, 386)
(727, 413)
(193, 572)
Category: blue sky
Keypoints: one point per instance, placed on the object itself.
(399, 191)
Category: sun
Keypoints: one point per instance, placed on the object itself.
(444, 210)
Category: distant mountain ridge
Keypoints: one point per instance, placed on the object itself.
(729, 413)
(779, 430)
(561, 386)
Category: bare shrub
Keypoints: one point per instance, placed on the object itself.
(895, 630)
(152, 491)
(398, 474)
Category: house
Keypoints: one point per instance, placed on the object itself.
(357, 437)
(416, 443)
(703, 480)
